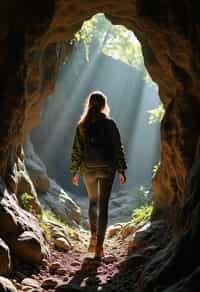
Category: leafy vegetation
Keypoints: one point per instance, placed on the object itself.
(142, 213)
(155, 168)
(114, 40)
(26, 202)
(156, 114)
(46, 228)
(50, 216)
(143, 204)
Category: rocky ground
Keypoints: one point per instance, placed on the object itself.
(79, 270)
(71, 268)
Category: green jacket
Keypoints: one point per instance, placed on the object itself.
(77, 162)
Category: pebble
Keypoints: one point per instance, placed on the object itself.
(50, 283)
(62, 244)
(30, 282)
(61, 271)
(109, 259)
(29, 289)
(75, 236)
(75, 264)
(54, 266)
(66, 278)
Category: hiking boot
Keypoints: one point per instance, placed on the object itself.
(92, 244)
(99, 253)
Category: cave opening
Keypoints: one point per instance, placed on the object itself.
(103, 57)
(32, 33)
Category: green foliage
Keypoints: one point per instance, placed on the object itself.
(52, 218)
(156, 114)
(143, 206)
(45, 227)
(122, 45)
(25, 201)
(85, 35)
(114, 40)
(155, 168)
(141, 214)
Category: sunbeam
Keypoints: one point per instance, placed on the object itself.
(130, 95)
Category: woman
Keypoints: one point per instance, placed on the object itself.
(97, 153)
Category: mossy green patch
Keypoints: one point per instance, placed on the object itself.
(141, 214)
(54, 219)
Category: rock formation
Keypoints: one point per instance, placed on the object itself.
(34, 37)
(5, 264)
(50, 194)
(6, 285)
(20, 230)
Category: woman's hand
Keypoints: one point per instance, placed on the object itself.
(122, 178)
(75, 180)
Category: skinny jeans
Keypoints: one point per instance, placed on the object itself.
(99, 185)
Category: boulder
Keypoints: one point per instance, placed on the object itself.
(127, 229)
(5, 259)
(50, 283)
(51, 195)
(6, 285)
(114, 230)
(20, 228)
(58, 231)
(19, 182)
(36, 168)
(63, 206)
(40, 180)
(28, 248)
(30, 283)
(62, 244)
(55, 229)
(25, 185)
(149, 233)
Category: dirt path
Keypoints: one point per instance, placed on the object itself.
(77, 270)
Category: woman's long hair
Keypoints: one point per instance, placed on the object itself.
(95, 103)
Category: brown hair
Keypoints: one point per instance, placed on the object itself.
(95, 103)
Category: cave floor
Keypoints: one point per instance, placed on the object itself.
(79, 271)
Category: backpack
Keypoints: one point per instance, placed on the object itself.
(98, 149)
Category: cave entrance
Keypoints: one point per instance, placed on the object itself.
(104, 57)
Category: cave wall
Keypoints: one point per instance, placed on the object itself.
(34, 39)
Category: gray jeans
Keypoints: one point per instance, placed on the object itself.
(99, 185)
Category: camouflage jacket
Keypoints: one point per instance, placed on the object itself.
(77, 161)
